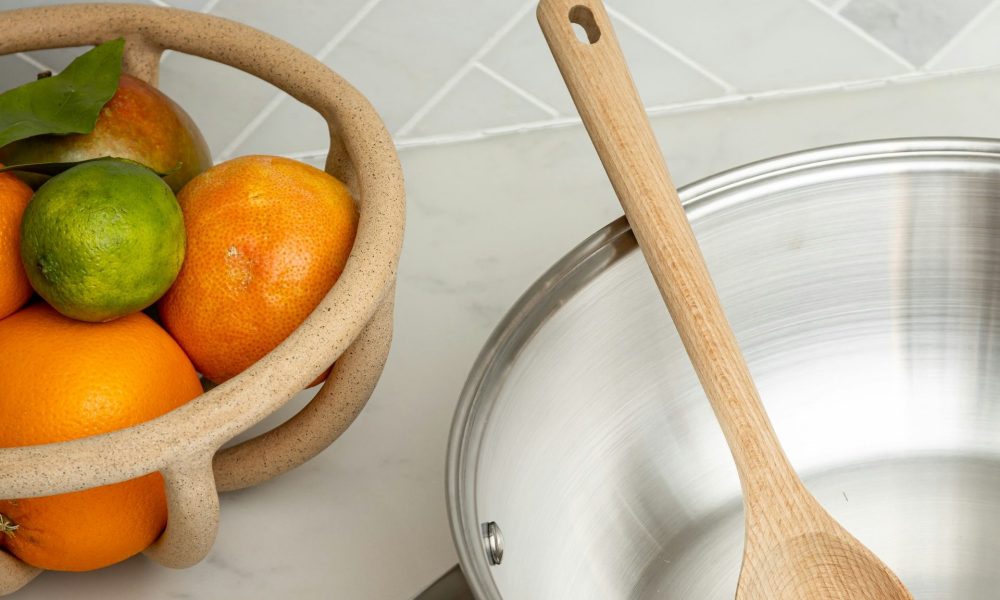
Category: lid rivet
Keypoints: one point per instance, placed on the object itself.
(493, 539)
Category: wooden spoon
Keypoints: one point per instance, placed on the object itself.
(793, 548)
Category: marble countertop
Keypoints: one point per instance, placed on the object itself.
(367, 518)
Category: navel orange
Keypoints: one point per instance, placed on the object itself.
(62, 379)
(266, 239)
(14, 287)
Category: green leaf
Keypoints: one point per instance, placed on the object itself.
(65, 103)
(49, 168)
(55, 168)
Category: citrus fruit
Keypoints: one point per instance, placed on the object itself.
(267, 238)
(62, 379)
(138, 123)
(102, 239)
(14, 287)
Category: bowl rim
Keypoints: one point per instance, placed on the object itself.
(352, 324)
(576, 268)
(358, 136)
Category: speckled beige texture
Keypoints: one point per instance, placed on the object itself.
(352, 325)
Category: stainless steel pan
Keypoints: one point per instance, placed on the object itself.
(868, 274)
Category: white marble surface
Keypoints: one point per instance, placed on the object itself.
(366, 519)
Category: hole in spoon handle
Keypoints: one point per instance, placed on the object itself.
(587, 30)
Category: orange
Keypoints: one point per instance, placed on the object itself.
(62, 379)
(266, 239)
(14, 287)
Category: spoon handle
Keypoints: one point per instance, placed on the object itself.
(598, 79)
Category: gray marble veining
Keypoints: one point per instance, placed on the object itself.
(916, 29)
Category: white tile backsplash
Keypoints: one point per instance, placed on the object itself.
(758, 46)
(407, 49)
(976, 46)
(453, 69)
(916, 29)
(220, 99)
(58, 58)
(12, 4)
(660, 76)
(478, 101)
(291, 128)
(15, 69)
(522, 56)
(189, 4)
(309, 24)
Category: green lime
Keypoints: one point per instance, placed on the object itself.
(102, 239)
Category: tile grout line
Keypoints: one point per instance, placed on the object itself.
(31, 60)
(961, 35)
(679, 108)
(858, 31)
(684, 58)
(346, 30)
(839, 5)
(305, 154)
(523, 93)
(452, 81)
(280, 97)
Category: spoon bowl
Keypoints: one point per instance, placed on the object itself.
(822, 561)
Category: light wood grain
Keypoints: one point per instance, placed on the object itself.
(793, 549)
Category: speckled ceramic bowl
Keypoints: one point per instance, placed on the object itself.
(352, 325)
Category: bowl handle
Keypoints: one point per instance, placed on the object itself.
(315, 427)
(193, 514)
(141, 58)
(14, 574)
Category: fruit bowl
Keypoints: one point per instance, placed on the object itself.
(352, 325)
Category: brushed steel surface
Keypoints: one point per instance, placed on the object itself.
(862, 282)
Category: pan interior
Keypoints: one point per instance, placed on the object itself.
(864, 293)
